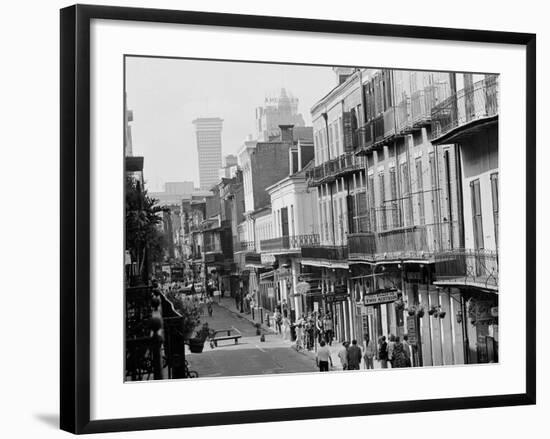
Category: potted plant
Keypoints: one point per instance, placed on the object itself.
(442, 314)
(196, 344)
(399, 304)
(433, 310)
(412, 310)
(420, 312)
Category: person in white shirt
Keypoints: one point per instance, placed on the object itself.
(323, 357)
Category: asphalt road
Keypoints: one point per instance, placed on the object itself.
(250, 356)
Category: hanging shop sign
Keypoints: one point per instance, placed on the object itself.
(337, 297)
(380, 297)
(270, 292)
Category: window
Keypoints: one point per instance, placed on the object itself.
(396, 217)
(477, 221)
(435, 190)
(420, 190)
(371, 208)
(382, 204)
(407, 194)
(494, 195)
(292, 230)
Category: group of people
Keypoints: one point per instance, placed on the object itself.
(393, 352)
(311, 327)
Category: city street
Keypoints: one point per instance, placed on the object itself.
(249, 356)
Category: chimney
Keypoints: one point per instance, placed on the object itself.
(286, 133)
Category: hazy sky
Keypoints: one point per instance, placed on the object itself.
(165, 96)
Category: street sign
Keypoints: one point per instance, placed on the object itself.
(316, 307)
(382, 297)
(270, 292)
(217, 293)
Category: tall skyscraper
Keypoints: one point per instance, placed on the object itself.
(209, 147)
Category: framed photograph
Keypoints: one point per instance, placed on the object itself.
(257, 212)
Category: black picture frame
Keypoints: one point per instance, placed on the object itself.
(75, 217)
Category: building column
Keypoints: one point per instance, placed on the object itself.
(437, 351)
(425, 326)
(447, 336)
(458, 326)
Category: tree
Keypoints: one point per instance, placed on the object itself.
(144, 239)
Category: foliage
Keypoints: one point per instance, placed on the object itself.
(188, 309)
(144, 239)
(203, 333)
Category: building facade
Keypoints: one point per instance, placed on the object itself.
(407, 193)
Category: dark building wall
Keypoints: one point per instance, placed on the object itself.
(308, 153)
(269, 164)
(480, 152)
(213, 204)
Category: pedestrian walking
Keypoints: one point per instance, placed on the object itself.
(391, 345)
(370, 352)
(354, 356)
(323, 358)
(319, 329)
(286, 328)
(343, 355)
(408, 350)
(399, 357)
(278, 319)
(383, 352)
(209, 307)
(299, 327)
(329, 328)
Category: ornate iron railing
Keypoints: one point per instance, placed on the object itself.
(467, 266)
(331, 169)
(154, 336)
(468, 105)
(333, 253)
(421, 241)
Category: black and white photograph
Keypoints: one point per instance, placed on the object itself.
(297, 218)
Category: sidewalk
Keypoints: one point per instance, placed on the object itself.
(229, 304)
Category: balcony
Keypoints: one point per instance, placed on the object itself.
(377, 131)
(244, 246)
(328, 252)
(466, 111)
(415, 242)
(463, 267)
(332, 169)
(288, 244)
(403, 119)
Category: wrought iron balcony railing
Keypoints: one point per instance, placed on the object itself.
(330, 170)
(377, 130)
(244, 246)
(294, 242)
(467, 106)
(329, 252)
(421, 241)
(403, 119)
(467, 267)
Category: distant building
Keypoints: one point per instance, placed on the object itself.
(229, 167)
(209, 147)
(281, 110)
